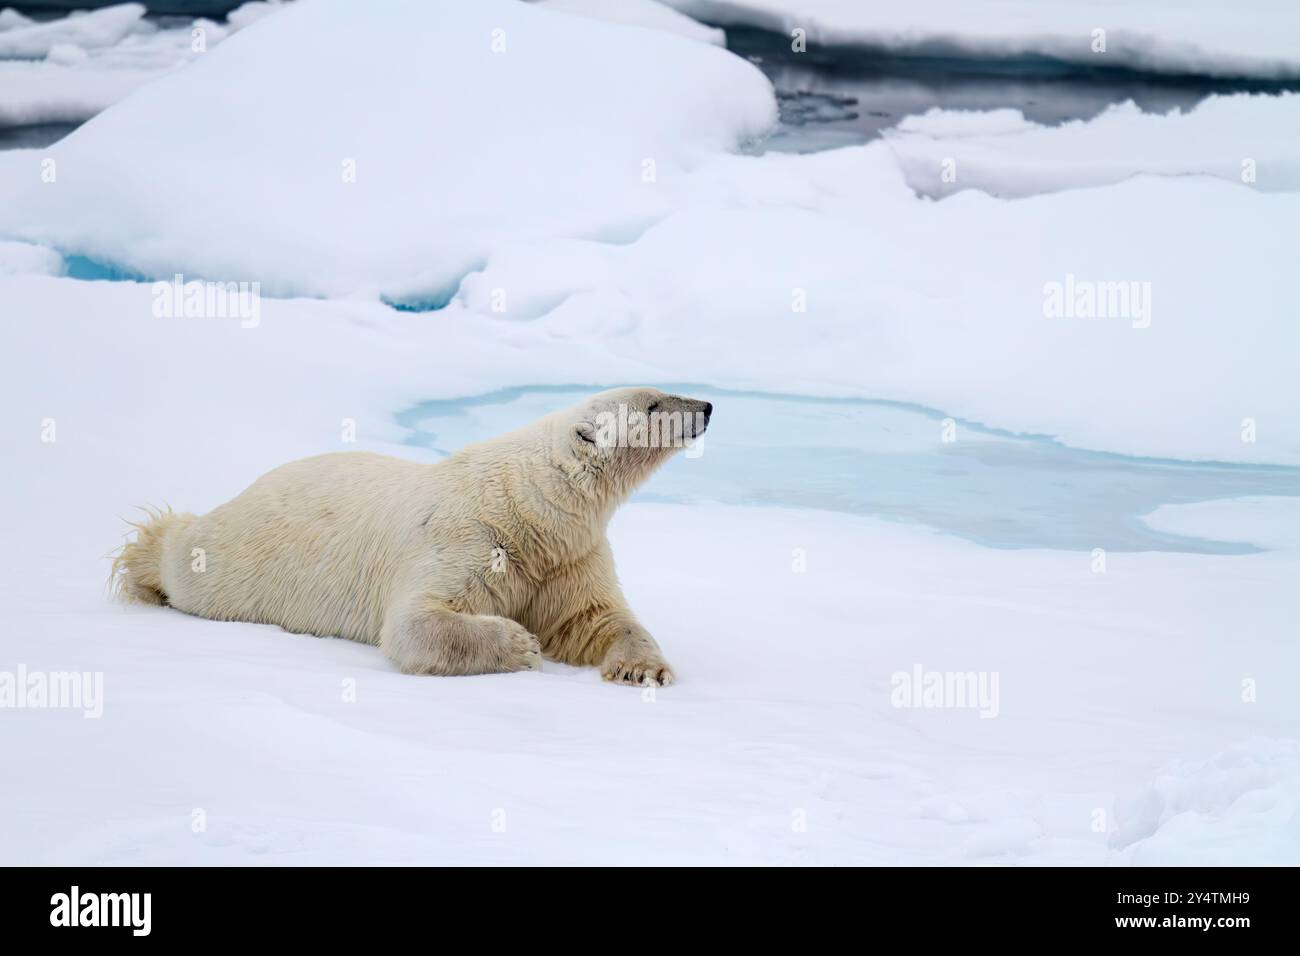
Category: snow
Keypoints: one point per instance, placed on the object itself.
(935, 303)
(70, 69)
(943, 304)
(250, 12)
(62, 92)
(780, 742)
(11, 19)
(1240, 803)
(950, 124)
(1203, 37)
(1269, 521)
(1142, 714)
(88, 30)
(348, 161)
(23, 258)
(651, 14)
(1241, 138)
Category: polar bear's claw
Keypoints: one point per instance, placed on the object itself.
(639, 673)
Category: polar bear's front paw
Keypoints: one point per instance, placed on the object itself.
(519, 649)
(652, 672)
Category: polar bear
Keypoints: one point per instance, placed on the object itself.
(482, 563)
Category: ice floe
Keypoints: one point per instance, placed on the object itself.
(1254, 140)
(68, 70)
(1140, 715)
(782, 742)
(381, 168)
(579, 190)
(1249, 38)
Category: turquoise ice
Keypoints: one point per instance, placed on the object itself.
(896, 461)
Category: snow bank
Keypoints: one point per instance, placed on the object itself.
(11, 19)
(1108, 317)
(1242, 138)
(21, 258)
(764, 752)
(831, 263)
(642, 13)
(384, 168)
(1251, 38)
(91, 61)
(1261, 520)
(1240, 804)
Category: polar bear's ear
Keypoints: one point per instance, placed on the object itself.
(585, 431)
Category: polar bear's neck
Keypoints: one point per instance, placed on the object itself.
(529, 497)
(527, 487)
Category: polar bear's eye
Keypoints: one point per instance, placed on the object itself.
(652, 406)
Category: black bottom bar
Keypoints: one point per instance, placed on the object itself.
(363, 905)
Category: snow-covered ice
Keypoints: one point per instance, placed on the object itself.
(781, 743)
(69, 69)
(948, 304)
(1136, 706)
(336, 151)
(24, 258)
(1266, 521)
(21, 37)
(830, 259)
(1248, 38)
(1242, 139)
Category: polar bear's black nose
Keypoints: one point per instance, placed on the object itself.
(708, 410)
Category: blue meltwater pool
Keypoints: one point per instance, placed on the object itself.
(892, 461)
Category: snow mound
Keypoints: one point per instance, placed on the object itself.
(1254, 140)
(11, 19)
(1242, 803)
(21, 258)
(383, 168)
(1250, 38)
(830, 262)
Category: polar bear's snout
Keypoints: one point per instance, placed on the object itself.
(693, 412)
(698, 417)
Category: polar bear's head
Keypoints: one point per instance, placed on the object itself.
(619, 437)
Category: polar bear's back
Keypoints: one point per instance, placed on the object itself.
(313, 546)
